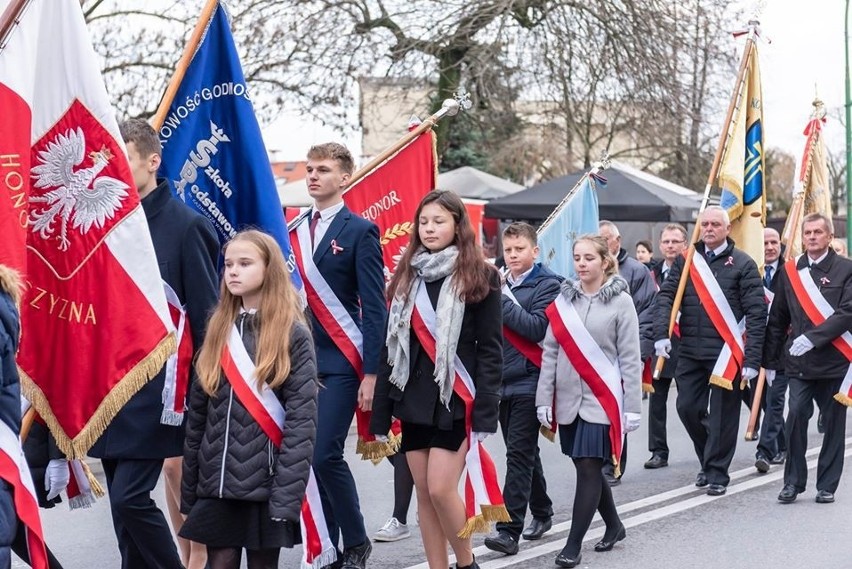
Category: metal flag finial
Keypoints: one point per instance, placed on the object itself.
(604, 161)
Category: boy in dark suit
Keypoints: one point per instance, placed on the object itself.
(342, 270)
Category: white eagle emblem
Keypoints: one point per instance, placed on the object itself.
(78, 196)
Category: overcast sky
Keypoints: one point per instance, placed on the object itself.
(806, 50)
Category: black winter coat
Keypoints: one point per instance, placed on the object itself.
(187, 251)
(227, 455)
(10, 330)
(740, 281)
(480, 348)
(647, 333)
(833, 276)
(527, 318)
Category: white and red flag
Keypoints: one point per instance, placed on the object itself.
(96, 326)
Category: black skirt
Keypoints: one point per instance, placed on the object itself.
(237, 523)
(419, 437)
(582, 439)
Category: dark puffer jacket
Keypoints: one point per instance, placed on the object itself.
(740, 281)
(226, 453)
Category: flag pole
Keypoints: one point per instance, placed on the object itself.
(10, 18)
(603, 164)
(183, 64)
(711, 179)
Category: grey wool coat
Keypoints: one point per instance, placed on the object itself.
(610, 318)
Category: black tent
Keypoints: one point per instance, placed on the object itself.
(630, 195)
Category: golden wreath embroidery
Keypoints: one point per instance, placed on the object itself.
(398, 230)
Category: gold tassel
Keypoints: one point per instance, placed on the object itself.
(476, 524)
(843, 399)
(648, 388)
(112, 403)
(547, 433)
(376, 451)
(722, 382)
(97, 489)
(617, 465)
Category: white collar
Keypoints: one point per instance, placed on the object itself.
(516, 281)
(330, 211)
(718, 250)
(813, 262)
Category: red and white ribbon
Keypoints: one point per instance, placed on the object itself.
(264, 407)
(818, 310)
(529, 349)
(15, 472)
(483, 497)
(178, 365)
(594, 367)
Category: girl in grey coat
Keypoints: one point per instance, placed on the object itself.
(603, 304)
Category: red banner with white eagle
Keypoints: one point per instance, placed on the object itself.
(95, 321)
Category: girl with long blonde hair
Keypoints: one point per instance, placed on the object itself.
(241, 490)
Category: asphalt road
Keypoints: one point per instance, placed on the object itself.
(670, 523)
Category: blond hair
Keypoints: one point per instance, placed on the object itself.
(280, 309)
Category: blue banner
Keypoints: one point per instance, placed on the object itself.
(577, 217)
(213, 152)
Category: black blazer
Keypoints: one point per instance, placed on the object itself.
(481, 350)
(671, 364)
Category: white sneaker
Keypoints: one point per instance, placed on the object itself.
(392, 531)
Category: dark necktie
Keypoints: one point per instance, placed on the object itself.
(710, 254)
(767, 277)
(313, 227)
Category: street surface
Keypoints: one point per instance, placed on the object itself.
(670, 523)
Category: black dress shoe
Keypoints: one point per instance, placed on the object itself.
(788, 494)
(537, 528)
(656, 461)
(502, 542)
(716, 490)
(606, 544)
(761, 464)
(824, 497)
(473, 565)
(778, 458)
(356, 557)
(565, 559)
(701, 479)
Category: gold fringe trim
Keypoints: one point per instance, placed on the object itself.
(617, 466)
(722, 382)
(482, 523)
(547, 433)
(843, 399)
(97, 489)
(112, 403)
(648, 388)
(376, 451)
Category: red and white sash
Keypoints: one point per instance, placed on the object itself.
(264, 407)
(16, 473)
(594, 367)
(527, 348)
(818, 310)
(178, 365)
(722, 316)
(483, 497)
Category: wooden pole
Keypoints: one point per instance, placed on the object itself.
(27, 423)
(183, 63)
(10, 18)
(711, 179)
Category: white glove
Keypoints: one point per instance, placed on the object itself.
(748, 373)
(770, 377)
(381, 438)
(545, 415)
(56, 477)
(480, 436)
(663, 347)
(631, 421)
(801, 346)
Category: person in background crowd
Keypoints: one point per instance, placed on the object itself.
(444, 267)
(645, 253)
(813, 308)
(577, 389)
(528, 290)
(839, 246)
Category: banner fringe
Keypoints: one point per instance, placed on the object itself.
(547, 433)
(843, 399)
(112, 403)
(376, 451)
(481, 523)
(171, 418)
(326, 558)
(722, 382)
(81, 502)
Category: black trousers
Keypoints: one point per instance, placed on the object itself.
(711, 416)
(772, 437)
(525, 484)
(144, 537)
(657, 412)
(803, 393)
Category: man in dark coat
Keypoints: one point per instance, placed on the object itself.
(642, 291)
(814, 365)
(529, 289)
(135, 444)
(713, 433)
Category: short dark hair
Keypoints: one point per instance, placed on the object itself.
(333, 151)
(521, 229)
(646, 244)
(142, 135)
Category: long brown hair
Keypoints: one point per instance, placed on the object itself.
(471, 270)
(280, 309)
